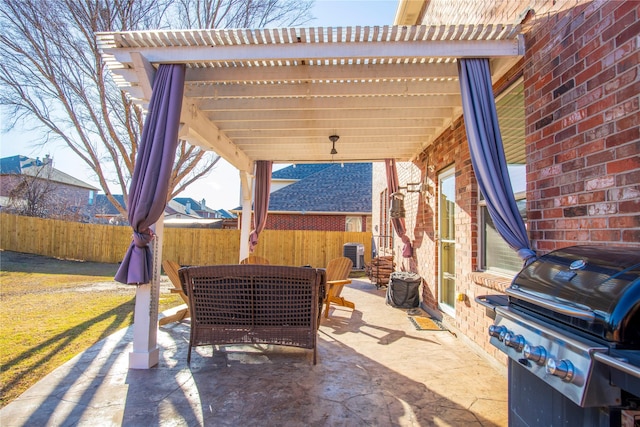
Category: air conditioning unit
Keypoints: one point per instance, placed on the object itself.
(355, 252)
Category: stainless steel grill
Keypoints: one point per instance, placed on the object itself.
(571, 321)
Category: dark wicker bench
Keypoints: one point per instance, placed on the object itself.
(254, 304)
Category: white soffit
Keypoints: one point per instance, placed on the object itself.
(277, 94)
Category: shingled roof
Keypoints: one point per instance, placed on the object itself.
(299, 171)
(324, 188)
(193, 204)
(202, 208)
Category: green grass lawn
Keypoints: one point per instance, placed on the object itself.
(46, 319)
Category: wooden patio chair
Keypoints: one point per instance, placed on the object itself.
(171, 270)
(254, 259)
(338, 271)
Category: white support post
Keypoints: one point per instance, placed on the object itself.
(145, 352)
(246, 183)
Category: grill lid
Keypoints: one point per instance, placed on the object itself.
(595, 289)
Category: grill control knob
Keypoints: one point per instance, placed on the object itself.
(535, 353)
(497, 331)
(562, 369)
(514, 341)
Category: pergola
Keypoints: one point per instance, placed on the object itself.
(278, 94)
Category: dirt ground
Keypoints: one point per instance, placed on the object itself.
(29, 263)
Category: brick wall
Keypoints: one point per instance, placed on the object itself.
(450, 150)
(582, 86)
(7, 183)
(311, 222)
(583, 143)
(63, 196)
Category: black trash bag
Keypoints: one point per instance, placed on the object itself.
(403, 290)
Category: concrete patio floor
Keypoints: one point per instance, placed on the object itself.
(374, 369)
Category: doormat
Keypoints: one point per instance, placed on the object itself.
(422, 323)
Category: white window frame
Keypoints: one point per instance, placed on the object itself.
(349, 220)
(482, 257)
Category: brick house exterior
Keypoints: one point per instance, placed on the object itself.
(327, 222)
(68, 196)
(320, 197)
(581, 79)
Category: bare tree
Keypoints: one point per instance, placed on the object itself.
(32, 192)
(242, 13)
(52, 78)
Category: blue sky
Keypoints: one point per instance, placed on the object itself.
(336, 13)
(221, 188)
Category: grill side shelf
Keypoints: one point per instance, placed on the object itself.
(618, 364)
(490, 302)
(625, 368)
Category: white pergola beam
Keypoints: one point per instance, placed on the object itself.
(414, 116)
(198, 130)
(326, 51)
(357, 74)
(318, 104)
(330, 73)
(294, 134)
(307, 89)
(311, 127)
(349, 142)
(321, 154)
(145, 73)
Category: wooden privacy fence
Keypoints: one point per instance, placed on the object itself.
(186, 246)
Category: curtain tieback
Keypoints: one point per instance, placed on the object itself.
(143, 238)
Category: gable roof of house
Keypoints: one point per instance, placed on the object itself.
(11, 165)
(333, 188)
(194, 204)
(296, 172)
(173, 207)
(225, 214)
(103, 206)
(199, 206)
(23, 165)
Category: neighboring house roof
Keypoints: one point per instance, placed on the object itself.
(332, 188)
(23, 165)
(175, 208)
(194, 204)
(225, 214)
(202, 207)
(11, 165)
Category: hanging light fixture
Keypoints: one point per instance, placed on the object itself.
(333, 139)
